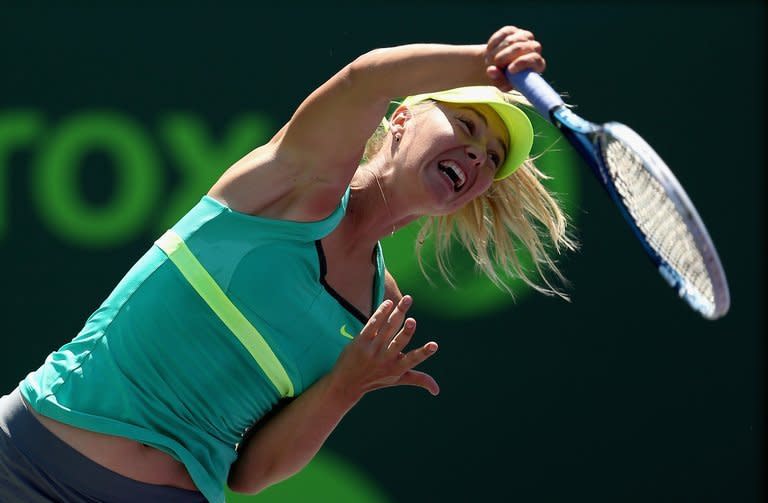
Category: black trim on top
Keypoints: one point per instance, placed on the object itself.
(341, 300)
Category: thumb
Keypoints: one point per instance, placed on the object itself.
(419, 379)
(498, 78)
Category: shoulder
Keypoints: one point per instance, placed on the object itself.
(273, 182)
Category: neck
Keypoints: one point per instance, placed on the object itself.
(370, 215)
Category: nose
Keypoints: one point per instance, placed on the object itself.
(476, 155)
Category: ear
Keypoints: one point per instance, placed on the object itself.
(398, 121)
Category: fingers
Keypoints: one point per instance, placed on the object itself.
(510, 34)
(505, 38)
(420, 379)
(403, 337)
(375, 359)
(530, 61)
(418, 355)
(387, 330)
(513, 49)
(377, 320)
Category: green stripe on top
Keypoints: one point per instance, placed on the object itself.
(209, 290)
(156, 364)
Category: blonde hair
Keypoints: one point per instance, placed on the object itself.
(516, 215)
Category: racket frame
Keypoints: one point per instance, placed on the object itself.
(588, 138)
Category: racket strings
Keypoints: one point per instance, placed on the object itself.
(657, 217)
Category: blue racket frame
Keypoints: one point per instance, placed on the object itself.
(586, 137)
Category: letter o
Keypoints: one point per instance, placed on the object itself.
(56, 188)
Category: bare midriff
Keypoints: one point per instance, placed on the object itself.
(121, 455)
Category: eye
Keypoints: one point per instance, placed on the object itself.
(468, 124)
(495, 158)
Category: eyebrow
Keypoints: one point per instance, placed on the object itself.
(485, 121)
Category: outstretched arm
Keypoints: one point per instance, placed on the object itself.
(310, 162)
(373, 360)
(355, 99)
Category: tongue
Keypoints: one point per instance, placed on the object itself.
(451, 181)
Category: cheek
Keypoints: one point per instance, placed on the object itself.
(437, 143)
(436, 135)
(482, 186)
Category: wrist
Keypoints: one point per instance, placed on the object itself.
(340, 392)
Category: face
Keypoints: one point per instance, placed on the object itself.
(454, 150)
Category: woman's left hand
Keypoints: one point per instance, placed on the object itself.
(375, 358)
(514, 49)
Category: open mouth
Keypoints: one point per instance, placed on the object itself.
(454, 173)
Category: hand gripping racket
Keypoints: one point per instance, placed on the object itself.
(649, 196)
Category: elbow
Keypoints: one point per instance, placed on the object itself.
(237, 489)
(241, 489)
(245, 487)
(365, 62)
(355, 72)
(252, 482)
(367, 72)
(236, 484)
(256, 480)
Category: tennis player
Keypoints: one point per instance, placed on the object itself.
(274, 286)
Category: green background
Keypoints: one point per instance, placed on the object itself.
(114, 121)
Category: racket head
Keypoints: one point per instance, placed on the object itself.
(662, 217)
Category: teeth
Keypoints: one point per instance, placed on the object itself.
(452, 168)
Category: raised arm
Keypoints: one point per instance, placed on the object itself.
(331, 127)
(289, 440)
(313, 157)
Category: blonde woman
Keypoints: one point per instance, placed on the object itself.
(274, 286)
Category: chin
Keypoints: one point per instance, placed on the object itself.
(441, 212)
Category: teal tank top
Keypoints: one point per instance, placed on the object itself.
(157, 364)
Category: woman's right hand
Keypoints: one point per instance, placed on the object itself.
(375, 358)
(514, 49)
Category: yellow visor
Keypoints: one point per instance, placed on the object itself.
(518, 124)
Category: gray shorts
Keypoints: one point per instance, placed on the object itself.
(36, 466)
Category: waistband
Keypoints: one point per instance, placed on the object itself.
(71, 468)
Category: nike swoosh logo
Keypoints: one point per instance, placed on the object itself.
(343, 331)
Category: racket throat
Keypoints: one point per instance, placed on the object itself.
(563, 116)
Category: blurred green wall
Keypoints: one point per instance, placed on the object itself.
(114, 121)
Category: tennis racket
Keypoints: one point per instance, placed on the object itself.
(649, 196)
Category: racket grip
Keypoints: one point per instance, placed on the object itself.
(535, 88)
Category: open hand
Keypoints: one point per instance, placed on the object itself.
(375, 358)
